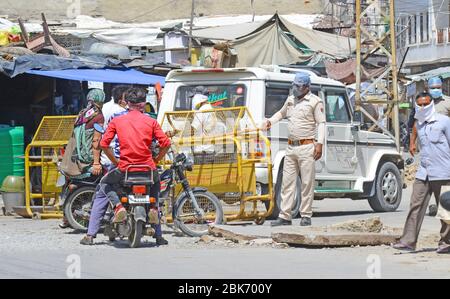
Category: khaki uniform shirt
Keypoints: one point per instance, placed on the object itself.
(443, 106)
(303, 116)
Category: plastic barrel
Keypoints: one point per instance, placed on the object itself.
(11, 150)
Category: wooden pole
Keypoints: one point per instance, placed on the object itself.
(190, 30)
(396, 120)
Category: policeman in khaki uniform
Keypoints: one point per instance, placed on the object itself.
(305, 114)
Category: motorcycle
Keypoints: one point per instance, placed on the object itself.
(142, 209)
(192, 210)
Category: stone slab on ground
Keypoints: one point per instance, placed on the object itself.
(363, 232)
(236, 233)
(316, 237)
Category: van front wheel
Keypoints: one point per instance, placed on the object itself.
(388, 189)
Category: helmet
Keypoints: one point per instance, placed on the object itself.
(96, 95)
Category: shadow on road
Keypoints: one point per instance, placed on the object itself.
(345, 213)
(123, 244)
(423, 250)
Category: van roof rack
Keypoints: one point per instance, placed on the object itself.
(290, 69)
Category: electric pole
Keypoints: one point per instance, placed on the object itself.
(385, 44)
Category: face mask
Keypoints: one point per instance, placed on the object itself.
(436, 93)
(298, 91)
(426, 113)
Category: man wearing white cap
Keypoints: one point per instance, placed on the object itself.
(305, 114)
(203, 123)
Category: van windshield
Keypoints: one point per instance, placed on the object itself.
(219, 96)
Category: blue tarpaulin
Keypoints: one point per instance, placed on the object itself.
(127, 76)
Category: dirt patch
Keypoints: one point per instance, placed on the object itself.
(372, 225)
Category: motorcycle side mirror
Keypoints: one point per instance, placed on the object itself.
(99, 128)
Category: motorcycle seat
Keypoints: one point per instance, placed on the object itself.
(139, 178)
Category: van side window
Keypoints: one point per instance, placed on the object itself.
(275, 99)
(336, 106)
(219, 96)
(276, 96)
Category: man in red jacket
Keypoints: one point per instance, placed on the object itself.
(135, 132)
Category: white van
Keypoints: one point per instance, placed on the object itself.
(355, 164)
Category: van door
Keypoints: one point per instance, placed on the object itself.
(341, 141)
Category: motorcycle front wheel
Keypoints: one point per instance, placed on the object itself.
(187, 220)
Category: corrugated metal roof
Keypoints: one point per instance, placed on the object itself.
(443, 72)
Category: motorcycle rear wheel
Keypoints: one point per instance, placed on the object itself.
(136, 234)
(75, 202)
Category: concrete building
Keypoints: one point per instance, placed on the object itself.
(423, 29)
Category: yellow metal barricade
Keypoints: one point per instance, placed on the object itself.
(226, 147)
(51, 137)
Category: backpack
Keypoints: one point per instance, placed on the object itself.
(83, 150)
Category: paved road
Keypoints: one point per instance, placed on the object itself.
(38, 249)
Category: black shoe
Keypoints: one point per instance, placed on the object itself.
(305, 221)
(161, 241)
(87, 240)
(280, 222)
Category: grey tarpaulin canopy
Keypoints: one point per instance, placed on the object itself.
(227, 32)
(278, 41)
(267, 46)
(318, 41)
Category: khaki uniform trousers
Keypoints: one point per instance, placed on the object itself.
(420, 199)
(299, 159)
